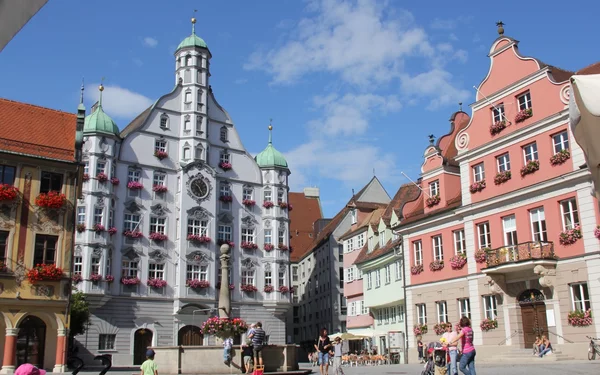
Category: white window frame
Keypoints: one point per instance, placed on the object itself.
(353, 216)
(503, 162)
(490, 307)
(530, 152)
(479, 172)
(268, 234)
(569, 212)
(248, 235)
(483, 233)
(100, 167)
(370, 280)
(539, 232)
(130, 268)
(81, 215)
(350, 274)
(581, 303)
(560, 141)
(460, 242)
(156, 271)
(498, 113)
(247, 193)
(160, 145)
(197, 227)
(418, 252)
(434, 188)
(438, 247)
(98, 215)
(158, 225)
(77, 265)
(509, 230)
(360, 241)
(524, 101)
(248, 277)
(197, 272)
(225, 233)
(442, 311)
(134, 175)
(382, 238)
(421, 313)
(398, 269)
(95, 264)
(268, 277)
(388, 274)
(377, 278)
(464, 307)
(223, 134)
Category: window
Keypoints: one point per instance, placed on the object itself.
(498, 113)
(509, 224)
(281, 277)
(530, 152)
(388, 274)
(248, 277)
(225, 191)
(381, 239)
(370, 280)
(133, 175)
(281, 236)
(160, 145)
(156, 271)
(421, 313)
(51, 182)
(268, 277)
(360, 241)
(295, 273)
(538, 224)
(187, 155)
(224, 157)
(268, 236)
(95, 265)
(199, 124)
(199, 152)
(570, 217)
(223, 134)
(353, 215)
(187, 124)
(188, 60)
(111, 218)
(44, 249)
(378, 278)
(438, 249)
(159, 179)
(350, 274)
(247, 193)
(247, 235)
(442, 311)
(434, 188)
(364, 308)
(503, 162)
(352, 309)
(7, 174)
(129, 268)
(560, 141)
(130, 222)
(164, 122)
(224, 233)
(158, 225)
(490, 307)
(3, 245)
(483, 232)
(398, 269)
(81, 215)
(77, 265)
(188, 97)
(478, 172)
(98, 215)
(464, 307)
(524, 101)
(100, 167)
(108, 265)
(86, 168)
(580, 297)
(197, 272)
(280, 195)
(418, 252)
(460, 243)
(106, 341)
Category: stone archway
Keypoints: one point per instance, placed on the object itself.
(31, 341)
(190, 336)
(142, 339)
(533, 315)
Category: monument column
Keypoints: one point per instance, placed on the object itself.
(224, 293)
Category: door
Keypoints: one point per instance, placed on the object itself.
(534, 322)
(31, 341)
(141, 341)
(190, 336)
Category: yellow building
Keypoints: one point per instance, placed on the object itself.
(39, 174)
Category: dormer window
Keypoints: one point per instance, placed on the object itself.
(164, 121)
(434, 188)
(223, 134)
(498, 113)
(381, 238)
(353, 215)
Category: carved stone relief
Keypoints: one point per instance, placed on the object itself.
(199, 213)
(249, 221)
(547, 276)
(131, 253)
(133, 206)
(157, 255)
(198, 257)
(159, 209)
(248, 264)
(226, 218)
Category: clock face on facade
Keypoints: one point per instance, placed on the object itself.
(199, 188)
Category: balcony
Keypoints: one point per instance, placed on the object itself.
(520, 257)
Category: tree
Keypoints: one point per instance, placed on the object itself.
(80, 314)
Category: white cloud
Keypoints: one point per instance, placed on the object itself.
(118, 101)
(150, 42)
(436, 85)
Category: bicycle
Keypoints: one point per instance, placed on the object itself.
(593, 349)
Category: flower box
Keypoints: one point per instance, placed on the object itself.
(130, 280)
(47, 272)
(284, 289)
(226, 198)
(76, 278)
(523, 115)
(95, 277)
(268, 288)
(457, 262)
(497, 127)
(115, 181)
(248, 203)
(3, 267)
(112, 230)
(109, 278)
(481, 255)
(440, 328)
(580, 318)
(159, 189)
(502, 177)
(416, 269)
(156, 283)
(560, 157)
(268, 204)
(224, 327)
(488, 324)
(155, 236)
(282, 247)
(570, 236)
(52, 199)
(133, 234)
(160, 155)
(282, 205)
(85, 177)
(249, 245)
(268, 247)
(597, 232)
(224, 165)
(290, 207)
(477, 186)
(531, 167)
(248, 288)
(420, 329)
(81, 228)
(198, 238)
(8, 192)
(433, 201)
(436, 265)
(197, 284)
(135, 185)
(228, 242)
(102, 177)
(231, 286)
(99, 228)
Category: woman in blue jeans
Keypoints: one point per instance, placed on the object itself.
(467, 360)
(323, 347)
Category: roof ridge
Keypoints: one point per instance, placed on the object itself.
(39, 106)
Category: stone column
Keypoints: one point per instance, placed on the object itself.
(61, 341)
(224, 296)
(10, 349)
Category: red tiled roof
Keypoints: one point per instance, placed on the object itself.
(406, 193)
(306, 211)
(37, 131)
(365, 256)
(590, 69)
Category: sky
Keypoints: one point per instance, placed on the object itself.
(353, 88)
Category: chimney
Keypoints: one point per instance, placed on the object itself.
(311, 192)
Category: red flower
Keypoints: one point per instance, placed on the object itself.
(52, 199)
(44, 272)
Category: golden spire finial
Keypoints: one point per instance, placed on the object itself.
(270, 131)
(500, 25)
(194, 22)
(101, 88)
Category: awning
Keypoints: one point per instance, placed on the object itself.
(584, 113)
(367, 332)
(346, 336)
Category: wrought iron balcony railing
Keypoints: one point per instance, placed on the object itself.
(519, 253)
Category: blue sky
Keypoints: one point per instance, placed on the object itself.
(352, 86)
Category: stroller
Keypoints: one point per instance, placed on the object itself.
(437, 360)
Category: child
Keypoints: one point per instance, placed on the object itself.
(247, 356)
(149, 367)
(337, 356)
(420, 349)
(227, 345)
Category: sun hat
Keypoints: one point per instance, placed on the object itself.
(29, 369)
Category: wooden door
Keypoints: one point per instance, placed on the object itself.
(142, 340)
(534, 322)
(31, 341)
(190, 336)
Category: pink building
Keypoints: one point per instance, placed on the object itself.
(504, 231)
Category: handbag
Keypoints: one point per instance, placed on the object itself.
(259, 370)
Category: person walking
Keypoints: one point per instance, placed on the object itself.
(337, 356)
(467, 360)
(420, 349)
(247, 356)
(149, 367)
(257, 335)
(322, 346)
(449, 336)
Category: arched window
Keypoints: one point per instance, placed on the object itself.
(188, 96)
(199, 153)
(186, 153)
(187, 124)
(224, 134)
(188, 60)
(164, 121)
